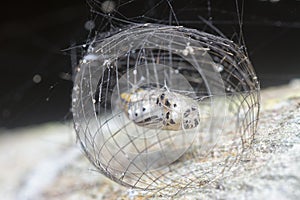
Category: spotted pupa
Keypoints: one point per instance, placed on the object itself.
(159, 108)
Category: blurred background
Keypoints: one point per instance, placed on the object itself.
(40, 42)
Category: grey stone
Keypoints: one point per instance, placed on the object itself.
(43, 162)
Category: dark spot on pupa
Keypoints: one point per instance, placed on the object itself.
(168, 115)
(162, 96)
(144, 108)
(196, 122)
(147, 119)
(136, 114)
(193, 108)
(172, 121)
(167, 103)
(175, 105)
(187, 113)
(157, 100)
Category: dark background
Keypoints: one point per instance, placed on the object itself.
(34, 37)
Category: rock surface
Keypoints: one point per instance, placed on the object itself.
(44, 163)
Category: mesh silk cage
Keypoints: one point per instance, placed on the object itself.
(165, 108)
